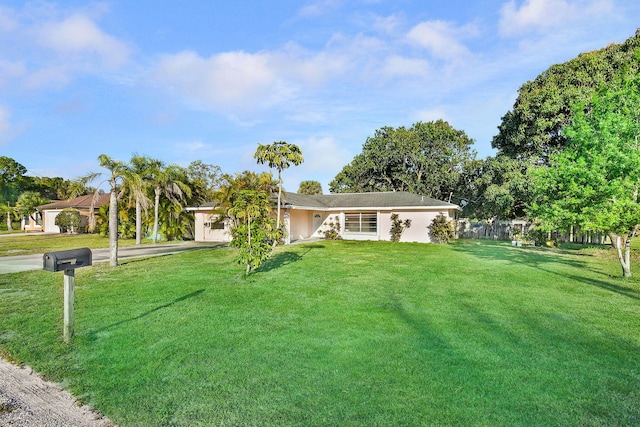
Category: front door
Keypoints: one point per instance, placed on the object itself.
(317, 222)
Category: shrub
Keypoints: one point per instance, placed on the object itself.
(333, 233)
(68, 220)
(398, 226)
(442, 230)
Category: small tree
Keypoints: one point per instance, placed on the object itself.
(398, 226)
(279, 155)
(442, 230)
(254, 231)
(68, 220)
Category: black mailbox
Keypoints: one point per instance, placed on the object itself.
(66, 260)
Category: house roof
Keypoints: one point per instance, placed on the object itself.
(389, 199)
(81, 202)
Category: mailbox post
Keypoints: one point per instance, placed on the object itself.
(67, 261)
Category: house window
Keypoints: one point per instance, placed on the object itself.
(362, 222)
(215, 225)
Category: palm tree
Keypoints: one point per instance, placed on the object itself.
(10, 211)
(118, 173)
(167, 181)
(140, 170)
(279, 155)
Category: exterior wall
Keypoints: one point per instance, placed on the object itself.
(205, 233)
(418, 232)
(300, 222)
(29, 223)
(302, 225)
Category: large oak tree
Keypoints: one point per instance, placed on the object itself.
(427, 159)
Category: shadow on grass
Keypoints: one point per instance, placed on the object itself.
(541, 258)
(287, 257)
(194, 294)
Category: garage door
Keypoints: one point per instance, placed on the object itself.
(50, 221)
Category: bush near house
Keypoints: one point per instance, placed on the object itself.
(68, 220)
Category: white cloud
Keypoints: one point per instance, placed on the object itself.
(50, 76)
(441, 39)
(225, 80)
(233, 82)
(400, 66)
(10, 70)
(534, 15)
(78, 34)
(388, 24)
(323, 154)
(8, 22)
(319, 8)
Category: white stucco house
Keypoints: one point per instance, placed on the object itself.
(355, 216)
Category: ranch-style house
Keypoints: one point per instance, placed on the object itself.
(354, 216)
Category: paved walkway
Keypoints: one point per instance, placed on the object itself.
(15, 264)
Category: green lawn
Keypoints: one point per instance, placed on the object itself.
(342, 333)
(36, 243)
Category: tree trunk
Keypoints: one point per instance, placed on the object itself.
(113, 227)
(623, 247)
(156, 207)
(275, 242)
(249, 244)
(138, 222)
(9, 221)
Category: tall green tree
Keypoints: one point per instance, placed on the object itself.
(426, 159)
(310, 188)
(594, 182)
(254, 232)
(495, 188)
(279, 155)
(204, 180)
(533, 128)
(12, 179)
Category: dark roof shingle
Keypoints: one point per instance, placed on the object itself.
(390, 199)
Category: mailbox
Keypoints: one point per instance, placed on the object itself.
(66, 260)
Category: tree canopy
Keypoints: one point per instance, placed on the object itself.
(594, 181)
(532, 129)
(427, 159)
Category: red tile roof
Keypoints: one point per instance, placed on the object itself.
(81, 202)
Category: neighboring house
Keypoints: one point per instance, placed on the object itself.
(355, 216)
(47, 213)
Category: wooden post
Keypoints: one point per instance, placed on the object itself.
(69, 284)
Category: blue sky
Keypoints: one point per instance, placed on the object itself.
(203, 80)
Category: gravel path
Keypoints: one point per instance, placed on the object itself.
(26, 400)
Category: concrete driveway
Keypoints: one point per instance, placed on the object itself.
(15, 264)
